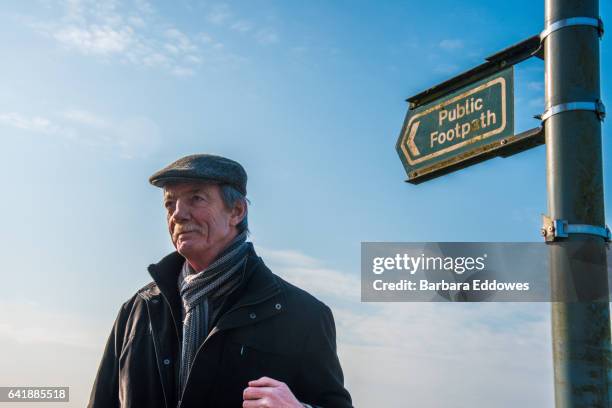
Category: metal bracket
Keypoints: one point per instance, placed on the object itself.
(553, 229)
(597, 107)
(573, 21)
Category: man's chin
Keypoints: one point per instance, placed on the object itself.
(186, 249)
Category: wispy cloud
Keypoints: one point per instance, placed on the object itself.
(267, 36)
(34, 124)
(451, 44)
(85, 118)
(183, 72)
(222, 15)
(219, 14)
(241, 26)
(127, 137)
(128, 32)
(180, 42)
(30, 323)
(95, 39)
(535, 85)
(311, 274)
(135, 33)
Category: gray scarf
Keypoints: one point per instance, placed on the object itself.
(217, 280)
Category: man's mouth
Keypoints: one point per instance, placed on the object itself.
(182, 232)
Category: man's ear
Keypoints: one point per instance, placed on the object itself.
(238, 212)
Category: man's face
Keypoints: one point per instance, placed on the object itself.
(199, 223)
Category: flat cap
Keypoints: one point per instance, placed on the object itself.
(202, 167)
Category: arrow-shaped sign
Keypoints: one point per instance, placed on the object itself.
(458, 125)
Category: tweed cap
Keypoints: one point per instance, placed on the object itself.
(202, 167)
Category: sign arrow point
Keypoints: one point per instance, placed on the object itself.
(411, 145)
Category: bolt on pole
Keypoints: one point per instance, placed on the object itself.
(580, 328)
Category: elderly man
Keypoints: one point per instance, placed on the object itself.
(216, 328)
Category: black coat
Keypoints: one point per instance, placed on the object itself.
(269, 328)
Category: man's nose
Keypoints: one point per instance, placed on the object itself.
(181, 211)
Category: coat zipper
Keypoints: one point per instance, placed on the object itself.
(171, 314)
(159, 371)
(178, 340)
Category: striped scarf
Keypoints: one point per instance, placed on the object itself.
(196, 289)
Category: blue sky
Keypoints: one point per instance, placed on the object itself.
(97, 95)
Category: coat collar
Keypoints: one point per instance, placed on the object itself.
(165, 276)
(260, 285)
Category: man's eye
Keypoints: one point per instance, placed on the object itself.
(198, 198)
(168, 204)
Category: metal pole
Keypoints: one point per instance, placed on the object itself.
(580, 330)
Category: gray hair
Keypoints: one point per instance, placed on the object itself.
(230, 197)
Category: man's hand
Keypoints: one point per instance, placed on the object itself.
(269, 393)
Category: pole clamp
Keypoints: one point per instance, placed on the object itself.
(597, 107)
(553, 229)
(573, 21)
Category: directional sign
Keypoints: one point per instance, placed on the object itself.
(452, 130)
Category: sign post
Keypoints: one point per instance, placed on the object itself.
(572, 122)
